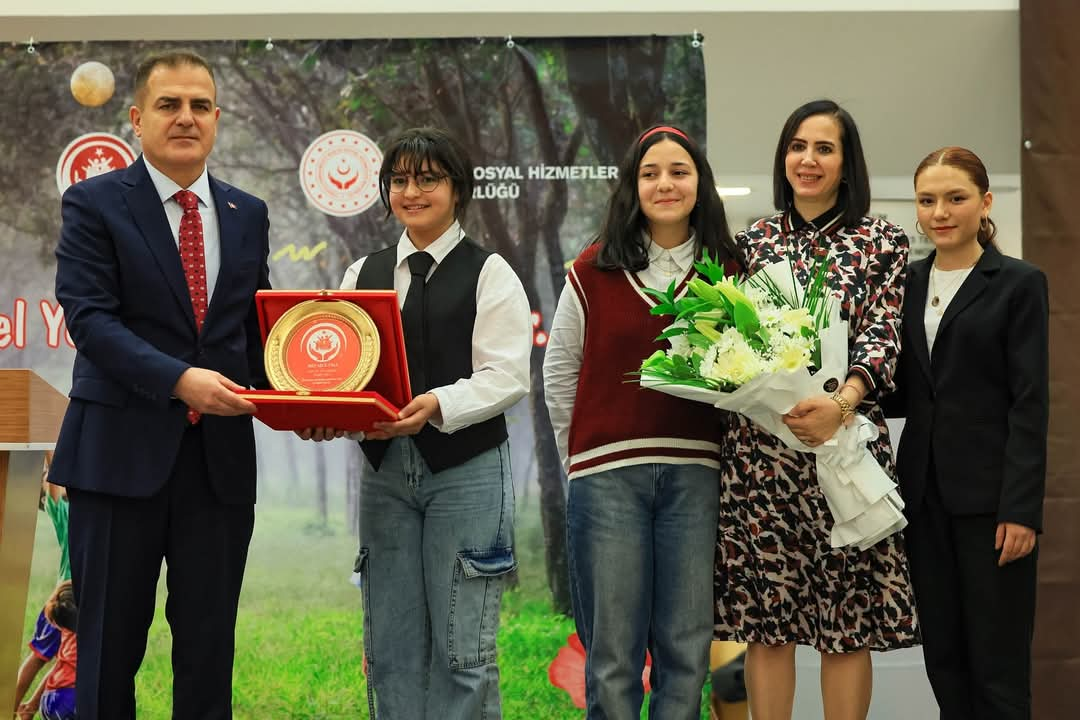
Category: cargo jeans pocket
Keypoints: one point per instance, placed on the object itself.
(475, 595)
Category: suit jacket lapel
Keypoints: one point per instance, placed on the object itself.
(915, 307)
(146, 208)
(230, 235)
(971, 288)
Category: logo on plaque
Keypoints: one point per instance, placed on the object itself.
(321, 346)
(324, 341)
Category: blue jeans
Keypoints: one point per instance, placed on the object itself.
(641, 543)
(434, 552)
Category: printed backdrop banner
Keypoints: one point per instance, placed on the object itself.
(302, 126)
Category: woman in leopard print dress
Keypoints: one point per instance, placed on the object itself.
(778, 581)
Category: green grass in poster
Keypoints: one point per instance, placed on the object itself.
(299, 629)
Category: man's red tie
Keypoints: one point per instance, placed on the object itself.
(193, 258)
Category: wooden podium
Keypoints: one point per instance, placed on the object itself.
(29, 424)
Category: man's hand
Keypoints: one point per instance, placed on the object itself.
(411, 419)
(319, 434)
(26, 711)
(1014, 541)
(211, 393)
(814, 420)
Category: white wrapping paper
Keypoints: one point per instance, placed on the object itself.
(862, 498)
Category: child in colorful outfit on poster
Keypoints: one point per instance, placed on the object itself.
(47, 637)
(55, 696)
(643, 467)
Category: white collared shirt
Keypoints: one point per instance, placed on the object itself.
(501, 341)
(166, 188)
(566, 344)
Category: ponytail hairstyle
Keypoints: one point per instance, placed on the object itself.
(969, 163)
(622, 246)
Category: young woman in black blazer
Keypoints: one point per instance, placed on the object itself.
(972, 383)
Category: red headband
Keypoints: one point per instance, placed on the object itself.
(663, 128)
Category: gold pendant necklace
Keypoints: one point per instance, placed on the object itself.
(935, 300)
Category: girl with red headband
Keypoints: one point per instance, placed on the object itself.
(643, 466)
(779, 581)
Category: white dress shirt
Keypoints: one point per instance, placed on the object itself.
(566, 343)
(945, 283)
(166, 188)
(501, 341)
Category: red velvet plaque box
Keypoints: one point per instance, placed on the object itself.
(380, 400)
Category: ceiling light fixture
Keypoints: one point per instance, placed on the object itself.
(732, 191)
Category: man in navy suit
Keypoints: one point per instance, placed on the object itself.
(157, 269)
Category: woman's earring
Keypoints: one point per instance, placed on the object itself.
(918, 227)
(984, 223)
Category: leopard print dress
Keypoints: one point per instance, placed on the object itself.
(777, 578)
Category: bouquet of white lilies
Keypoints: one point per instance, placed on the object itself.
(758, 347)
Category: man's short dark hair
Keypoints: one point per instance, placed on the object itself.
(170, 59)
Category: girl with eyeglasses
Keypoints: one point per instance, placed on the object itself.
(436, 498)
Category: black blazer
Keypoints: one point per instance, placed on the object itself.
(978, 406)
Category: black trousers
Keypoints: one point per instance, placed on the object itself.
(117, 545)
(977, 618)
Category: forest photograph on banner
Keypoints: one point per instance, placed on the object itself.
(303, 126)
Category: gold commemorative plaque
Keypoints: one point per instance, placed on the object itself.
(322, 346)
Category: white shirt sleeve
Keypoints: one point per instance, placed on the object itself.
(501, 347)
(562, 365)
(351, 273)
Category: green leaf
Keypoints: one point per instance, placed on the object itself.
(657, 359)
(674, 332)
(666, 303)
(709, 268)
(691, 306)
(699, 341)
(746, 319)
(658, 294)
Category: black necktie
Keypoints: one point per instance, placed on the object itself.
(412, 320)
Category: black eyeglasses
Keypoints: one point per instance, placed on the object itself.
(425, 181)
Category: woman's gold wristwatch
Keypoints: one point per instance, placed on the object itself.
(846, 411)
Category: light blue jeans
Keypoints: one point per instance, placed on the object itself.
(434, 552)
(641, 544)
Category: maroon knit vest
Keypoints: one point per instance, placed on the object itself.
(616, 422)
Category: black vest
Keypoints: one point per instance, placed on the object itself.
(449, 314)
